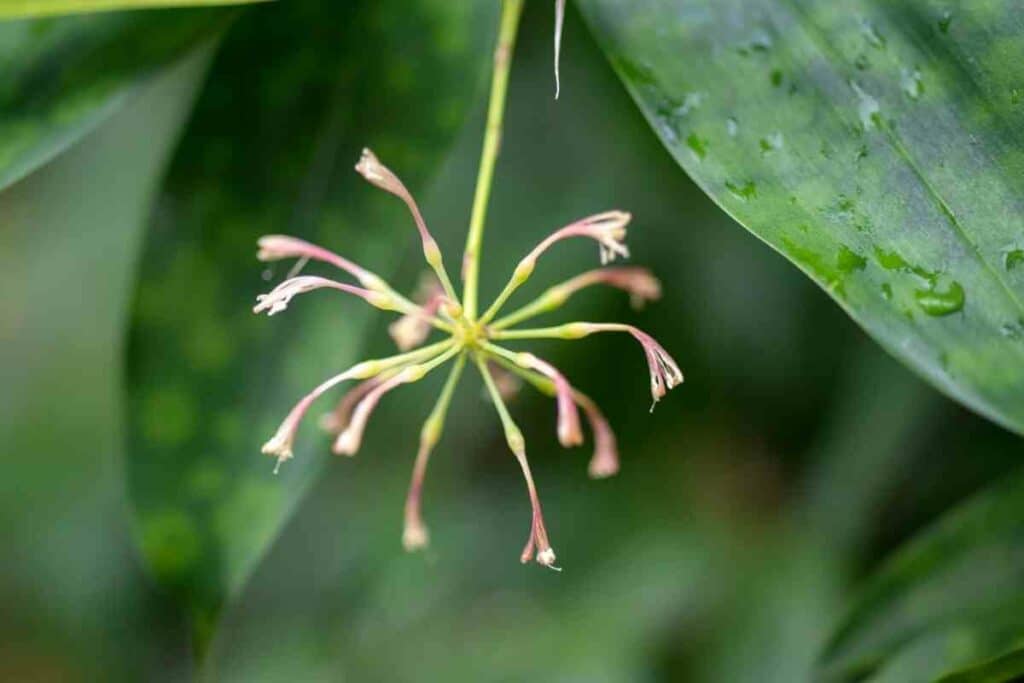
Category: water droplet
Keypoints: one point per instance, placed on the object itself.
(939, 300)
(732, 127)
(1016, 96)
(862, 62)
(871, 34)
(910, 81)
(668, 130)
(945, 20)
(745, 191)
(267, 274)
(691, 101)
(1014, 330)
(697, 145)
(890, 260)
(776, 77)
(759, 42)
(867, 108)
(772, 143)
(825, 149)
(887, 291)
(862, 153)
(849, 261)
(1013, 258)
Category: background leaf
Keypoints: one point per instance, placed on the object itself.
(271, 150)
(77, 605)
(62, 77)
(952, 600)
(10, 9)
(876, 145)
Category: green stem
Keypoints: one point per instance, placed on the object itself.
(510, 13)
(566, 331)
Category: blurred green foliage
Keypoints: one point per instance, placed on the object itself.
(751, 503)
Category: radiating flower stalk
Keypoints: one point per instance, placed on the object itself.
(471, 338)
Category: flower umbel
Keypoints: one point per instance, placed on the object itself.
(469, 337)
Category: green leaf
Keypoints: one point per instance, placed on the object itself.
(949, 604)
(271, 150)
(62, 77)
(70, 237)
(16, 9)
(875, 144)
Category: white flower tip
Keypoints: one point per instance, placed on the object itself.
(347, 443)
(408, 332)
(378, 174)
(415, 537)
(368, 164)
(274, 247)
(279, 446)
(270, 303)
(602, 467)
(546, 558)
(569, 433)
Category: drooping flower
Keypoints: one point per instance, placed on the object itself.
(469, 336)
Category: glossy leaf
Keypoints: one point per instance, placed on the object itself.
(273, 153)
(16, 9)
(877, 145)
(62, 77)
(951, 604)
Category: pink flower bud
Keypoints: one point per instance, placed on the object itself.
(569, 432)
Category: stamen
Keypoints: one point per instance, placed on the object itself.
(605, 460)
(378, 174)
(415, 534)
(281, 443)
(608, 229)
(278, 299)
(538, 539)
(640, 283)
(338, 419)
(569, 432)
(349, 441)
(665, 374)
(277, 247)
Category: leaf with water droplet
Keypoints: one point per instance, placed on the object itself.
(945, 19)
(1013, 258)
(746, 190)
(910, 81)
(941, 299)
(771, 143)
(930, 196)
(697, 145)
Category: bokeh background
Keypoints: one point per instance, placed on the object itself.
(137, 389)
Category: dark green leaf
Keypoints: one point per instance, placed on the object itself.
(14, 9)
(271, 150)
(70, 236)
(1008, 667)
(62, 77)
(876, 144)
(952, 600)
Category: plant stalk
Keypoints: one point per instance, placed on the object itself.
(510, 13)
